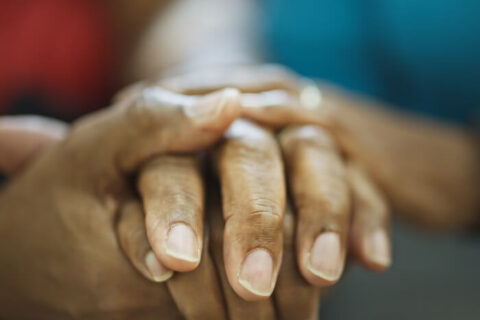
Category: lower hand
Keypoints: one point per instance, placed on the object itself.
(59, 254)
(250, 169)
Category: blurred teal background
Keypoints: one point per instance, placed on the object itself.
(421, 55)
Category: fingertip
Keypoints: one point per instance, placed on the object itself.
(256, 275)
(252, 275)
(182, 250)
(157, 272)
(376, 249)
(323, 264)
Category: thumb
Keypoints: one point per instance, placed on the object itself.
(154, 121)
(23, 137)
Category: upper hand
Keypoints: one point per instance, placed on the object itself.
(250, 168)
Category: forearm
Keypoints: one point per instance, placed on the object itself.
(190, 35)
(430, 170)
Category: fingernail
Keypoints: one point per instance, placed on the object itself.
(182, 243)
(377, 248)
(257, 272)
(326, 260)
(159, 272)
(208, 108)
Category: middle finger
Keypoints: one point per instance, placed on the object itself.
(253, 192)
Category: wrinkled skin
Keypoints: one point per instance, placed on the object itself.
(60, 258)
(248, 162)
(293, 295)
(429, 170)
(289, 280)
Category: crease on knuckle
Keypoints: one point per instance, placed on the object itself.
(265, 206)
(265, 227)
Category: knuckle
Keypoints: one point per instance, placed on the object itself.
(145, 108)
(185, 202)
(265, 220)
(138, 114)
(308, 134)
(264, 227)
(265, 206)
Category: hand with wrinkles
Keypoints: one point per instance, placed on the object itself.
(60, 257)
(26, 137)
(277, 99)
(155, 181)
(335, 201)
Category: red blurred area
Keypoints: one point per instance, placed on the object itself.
(59, 48)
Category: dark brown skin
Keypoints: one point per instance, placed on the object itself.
(250, 169)
(253, 189)
(428, 169)
(187, 289)
(292, 296)
(60, 258)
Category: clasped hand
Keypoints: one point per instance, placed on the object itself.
(126, 187)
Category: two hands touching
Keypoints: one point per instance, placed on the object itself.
(127, 184)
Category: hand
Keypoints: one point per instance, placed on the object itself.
(428, 170)
(59, 255)
(293, 297)
(205, 292)
(249, 165)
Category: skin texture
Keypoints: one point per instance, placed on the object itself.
(74, 190)
(250, 168)
(173, 197)
(184, 203)
(293, 295)
(188, 289)
(365, 194)
(247, 164)
(428, 170)
(321, 194)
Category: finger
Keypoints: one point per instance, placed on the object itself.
(198, 294)
(133, 240)
(294, 297)
(370, 236)
(172, 193)
(237, 308)
(278, 108)
(23, 137)
(245, 78)
(318, 184)
(253, 192)
(187, 288)
(154, 121)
